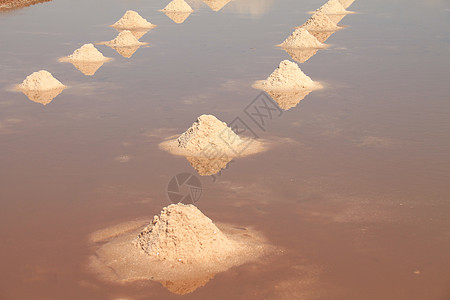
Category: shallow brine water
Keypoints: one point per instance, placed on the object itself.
(354, 191)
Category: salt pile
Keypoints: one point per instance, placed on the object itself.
(208, 131)
(40, 81)
(86, 53)
(178, 6)
(181, 248)
(183, 233)
(346, 3)
(124, 39)
(332, 7)
(301, 38)
(132, 20)
(288, 76)
(320, 21)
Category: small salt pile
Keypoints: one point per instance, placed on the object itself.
(332, 7)
(178, 6)
(40, 81)
(87, 53)
(182, 233)
(288, 76)
(132, 20)
(301, 38)
(320, 22)
(205, 132)
(124, 39)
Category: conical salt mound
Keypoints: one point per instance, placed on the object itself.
(320, 21)
(288, 76)
(346, 3)
(301, 38)
(332, 7)
(206, 132)
(132, 20)
(40, 81)
(86, 53)
(216, 5)
(124, 39)
(177, 17)
(178, 6)
(182, 233)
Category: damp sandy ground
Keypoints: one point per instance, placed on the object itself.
(10, 5)
(356, 191)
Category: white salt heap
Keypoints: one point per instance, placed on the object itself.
(301, 38)
(332, 7)
(178, 6)
(183, 233)
(124, 39)
(86, 53)
(320, 21)
(207, 130)
(40, 81)
(132, 20)
(288, 76)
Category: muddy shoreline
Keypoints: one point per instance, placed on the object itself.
(8, 5)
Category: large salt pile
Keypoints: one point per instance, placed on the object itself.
(87, 59)
(40, 81)
(320, 22)
(178, 6)
(41, 87)
(181, 248)
(132, 20)
(208, 131)
(87, 53)
(124, 39)
(210, 138)
(288, 76)
(183, 233)
(301, 38)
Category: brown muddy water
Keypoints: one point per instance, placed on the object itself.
(355, 191)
